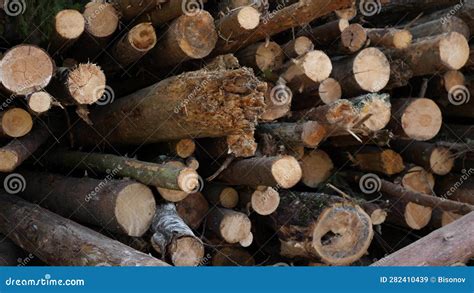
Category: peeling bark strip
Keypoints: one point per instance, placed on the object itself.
(25, 69)
(199, 104)
(20, 149)
(326, 228)
(159, 175)
(282, 20)
(174, 239)
(61, 242)
(444, 247)
(120, 206)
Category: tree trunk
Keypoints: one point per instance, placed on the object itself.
(282, 171)
(173, 239)
(198, 104)
(121, 206)
(446, 246)
(159, 175)
(61, 242)
(37, 69)
(326, 228)
(18, 150)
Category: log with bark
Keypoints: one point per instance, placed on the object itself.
(193, 209)
(262, 56)
(263, 200)
(61, 242)
(69, 25)
(173, 239)
(233, 227)
(120, 206)
(222, 195)
(390, 37)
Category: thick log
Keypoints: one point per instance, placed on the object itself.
(233, 227)
(40, 102)
(188, 37)
(415, 118)
(18, 150)
(457, 187)
(281, 20)
(197, 104)
(193, 209)
(282, 171)
(262, 56)
(15, 122)
(158, 175)
(436, 159)
(263, 200)
(69, 25)
(439, 27)
(83, 84)
(434, 54)
(317, 167)
(222, 195)
(173, 239)
(61, 242)
(309, 133)
(389, 37)
(446, 246)
(326, 228)
(366, 71)
(400, 74)
(238, 21)
(120, 206)
(297, 47)
(37, 69)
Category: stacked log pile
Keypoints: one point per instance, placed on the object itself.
(238, 132)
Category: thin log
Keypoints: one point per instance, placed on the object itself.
(373, 159)
(263, 200)
(310, 133)
(193, 209)
(61, 242)
(173, 239)
(230, 225)
(262, 56)
(40, 102)
(390, 37)
(238, 21)
(222, 195)
(327, 34)
(120, 206)
(376, 213)
(297, 47)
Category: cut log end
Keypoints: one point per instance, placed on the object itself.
(441, 161)
(417, 216)
(26, 69)
(102, 19)
(317, 167)
(448, 217)
(341, 112)
(303, 45)
(229, 197)
(378, 216)
(188, 180)
(316, 65)
(454, 51)
(135, 208)
(142, 37)
(269, 56)
(342, 234)
(265, 200)
(248, 18)
(185, 148)
(86, 83)
(392, 162)
(40, 102)
(418, 179)
(235, 227)
(422, 119)
(186, 251)
(69, 24)
(197, 35)
(16, 122)
(313, 134)
(8, 160)
(371, 70)
(286, 171)
(329, 91)
(451, 79)
(353, 37)
(402, 39)
(379, 111)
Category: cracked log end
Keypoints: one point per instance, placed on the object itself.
(196, 35)
(16, 122)
(102, 19)
(86, 83)
(25, 69)
(353, 37)
(329, 91)
(69, 24)
(379, 109)
(134, 209)
(371, 70)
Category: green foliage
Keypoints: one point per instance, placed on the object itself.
(39, 15)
